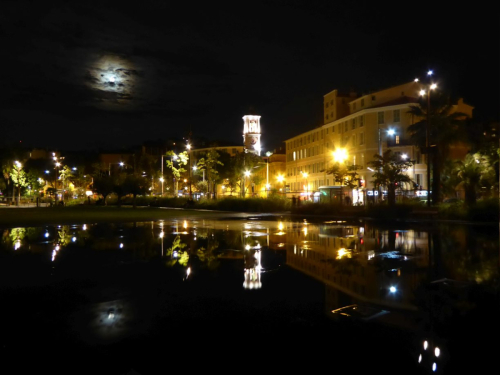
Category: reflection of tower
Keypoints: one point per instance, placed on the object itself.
(253, 268)
(251, 134)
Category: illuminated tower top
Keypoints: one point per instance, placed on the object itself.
(251, 134)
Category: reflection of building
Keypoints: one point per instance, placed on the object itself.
(360, 125)
(367, 265)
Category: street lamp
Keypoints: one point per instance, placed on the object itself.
(190, 173)
(281, 180)
(305, 174)
(18, 167)
(109, 166)
(247, 174)
(268, 154)
(427, 92)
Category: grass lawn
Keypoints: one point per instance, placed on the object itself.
(11, 217)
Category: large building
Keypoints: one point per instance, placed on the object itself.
(363, 126)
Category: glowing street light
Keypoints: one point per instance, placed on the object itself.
(340, 155)
(305, 174)
(427, 92)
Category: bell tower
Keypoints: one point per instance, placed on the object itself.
(251, 134)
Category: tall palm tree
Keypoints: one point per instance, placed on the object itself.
(447, 127)
(474, 172)
(391, 168)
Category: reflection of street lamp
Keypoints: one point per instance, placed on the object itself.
(427, 92)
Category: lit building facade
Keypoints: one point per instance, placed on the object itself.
(364, 126)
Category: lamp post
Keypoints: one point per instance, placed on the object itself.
(109, 166)
(427, 92)
(268, 154)
(281, 180)
(340, 156)
(305, 174)
(190, 172)
(18, 166)
(246, 174)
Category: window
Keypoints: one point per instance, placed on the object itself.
(374, 97)
(326, 130)
(397, 115)
(331, 102)
(380, 118)
(353, 123)
(326, 104)
(333, 129)
(346, 126)
(354, 140)
(397, 139)
(294, 155)
(362, 102)
(327, 117)
(331, 114)
(353, 107)
(361, 121)
(361, 139)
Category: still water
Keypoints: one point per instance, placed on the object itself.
(260, 293)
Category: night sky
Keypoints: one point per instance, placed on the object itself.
(201, 68)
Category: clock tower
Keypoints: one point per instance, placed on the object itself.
(251, 134)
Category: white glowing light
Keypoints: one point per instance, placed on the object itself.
(433, 86)
(391, 132)
(47, 234)
(392, 289)
(247, 247)
(430, 72)
(188, 271)
(437, 351)
(84, 227)
(425, 344)
(404, 156)
(17, 245)
(416, 79)
(422, 92)
(73, 239)
(420, 358)
(112, 79)
(434, 367)
(161, 234)
(121, 246)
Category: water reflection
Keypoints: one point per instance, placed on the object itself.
(426, 279)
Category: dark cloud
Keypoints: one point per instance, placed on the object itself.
(126, 74)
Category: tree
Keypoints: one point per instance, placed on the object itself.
(119, 187)
(245, 161)
(135, 185)
(181, 159)
(18, 176)
(65, 173)
(209, 164)
(103, 185)
(446, 128)
(391, 168)
(474, 172)
(345, 175)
